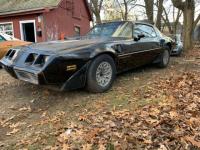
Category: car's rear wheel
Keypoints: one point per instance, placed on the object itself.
(164, 59)
(101, 74)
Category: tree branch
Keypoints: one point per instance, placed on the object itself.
(178, 4)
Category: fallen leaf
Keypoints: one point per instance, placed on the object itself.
(12, 132)
(192, 141)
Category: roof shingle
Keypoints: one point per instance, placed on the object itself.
(9, 6)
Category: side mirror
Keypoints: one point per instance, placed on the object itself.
(138, 37)
(141, 36)
(162, 42)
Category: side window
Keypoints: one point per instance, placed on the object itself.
(137, 30)
(1, 39)
(148, 31)
(126, 30)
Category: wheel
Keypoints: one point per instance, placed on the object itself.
(101, 74)
(164, 59)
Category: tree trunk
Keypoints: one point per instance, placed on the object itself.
(98, 18)
(188, 28)
(96, 6)
(188, 8)
(188, 24)
(126, 10)
(149, 10)
(159, 15)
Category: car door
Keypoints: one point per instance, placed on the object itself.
(127, 46)
(149, 44)
(139, 50)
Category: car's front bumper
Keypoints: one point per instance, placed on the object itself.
(177, 51)
(28, 75)
(40, 77)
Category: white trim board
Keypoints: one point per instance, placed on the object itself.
(21, 29)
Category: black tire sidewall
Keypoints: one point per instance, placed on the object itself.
(162, 64)
(92, 84)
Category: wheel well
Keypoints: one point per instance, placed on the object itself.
(107, 53)
(170, 46)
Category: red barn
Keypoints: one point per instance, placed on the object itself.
(44, 20)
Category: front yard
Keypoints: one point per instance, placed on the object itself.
(147, 108)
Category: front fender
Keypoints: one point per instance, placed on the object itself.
(104, 50)
(77, 80)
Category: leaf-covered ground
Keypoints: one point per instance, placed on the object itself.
(147, 108)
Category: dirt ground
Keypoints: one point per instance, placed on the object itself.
(33, 117)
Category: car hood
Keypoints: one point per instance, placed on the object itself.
(67, 45)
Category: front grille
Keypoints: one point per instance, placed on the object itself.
(26, 76)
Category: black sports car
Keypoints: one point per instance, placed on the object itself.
(91, 61)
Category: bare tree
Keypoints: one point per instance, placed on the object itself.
(166, 20)
(125, 7)
(149, 6)
(172, 26)
(149, 10)
(159, 4)
(96, 7)
(188, 8)
(176, 20)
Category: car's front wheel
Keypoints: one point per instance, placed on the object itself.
(101, 74)
(164, 59)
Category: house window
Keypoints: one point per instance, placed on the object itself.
(77, 31)
(7, 28)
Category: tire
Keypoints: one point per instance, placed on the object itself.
(164, 59)
(101, 74)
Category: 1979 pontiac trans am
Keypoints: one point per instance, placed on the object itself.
(92, 61)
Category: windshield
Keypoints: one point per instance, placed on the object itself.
(116, 29)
